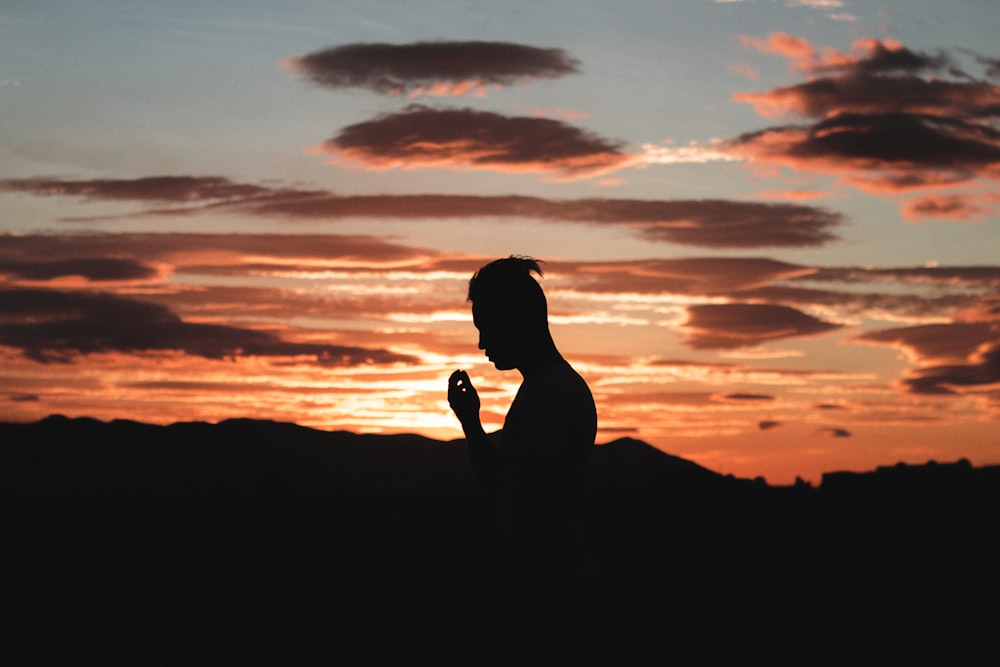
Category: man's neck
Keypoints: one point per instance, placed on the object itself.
(543, 356)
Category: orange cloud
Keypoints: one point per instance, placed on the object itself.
(984, 309)
(797, 49)
(365, 278)
(792, 195)
(361, 274)
(867, 54)
(568, 114)
(473, 88)
(960, 207)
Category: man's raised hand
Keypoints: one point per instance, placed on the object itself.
(463, 398)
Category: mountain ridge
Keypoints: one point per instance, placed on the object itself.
(404, 462)
(635, 461)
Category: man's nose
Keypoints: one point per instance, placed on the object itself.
(482, 343)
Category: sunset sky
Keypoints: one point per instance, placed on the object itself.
(771, 230)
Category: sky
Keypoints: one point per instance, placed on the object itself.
(770, 229)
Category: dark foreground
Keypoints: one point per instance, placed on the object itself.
(254, 542)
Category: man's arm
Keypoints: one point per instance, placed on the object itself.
(464, 401)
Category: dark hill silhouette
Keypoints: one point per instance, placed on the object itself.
(84, 456)
(235, 457)
(145, 539)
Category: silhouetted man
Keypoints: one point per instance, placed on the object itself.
(538, 475)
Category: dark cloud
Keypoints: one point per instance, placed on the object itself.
(992, 66)
(685, 398)
(432, 67)
(983, 370)
(971, 276)
(713, 223)
(55, 326)
(94, 269)
(955, 341)
(280, 305)
(949, 356)
(749, 397)
(177, 189)
(910, 139)
(755, 280)
(738, 372)
(743, 278)
(231, 387)
(857, 303)
(722, 223)
(883, 152)
(868, 55)
(871, 94)
(959, 292)
(834, 432)
(768, 424)
(683, 275)
(952, 206)
(133, 251)
(416, 207)
(885, 57)
(421, 137)
(963, 294)
(885, 119)
(733, 325)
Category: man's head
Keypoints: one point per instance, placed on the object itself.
(509, 309)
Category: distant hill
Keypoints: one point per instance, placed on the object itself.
(234, 457)
(83, 456)
(122, 529)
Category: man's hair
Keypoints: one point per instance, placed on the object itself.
(507, 287)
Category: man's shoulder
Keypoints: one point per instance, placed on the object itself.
(558, 375)
(558, 386)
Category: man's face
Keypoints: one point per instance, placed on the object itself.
(497, 337)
